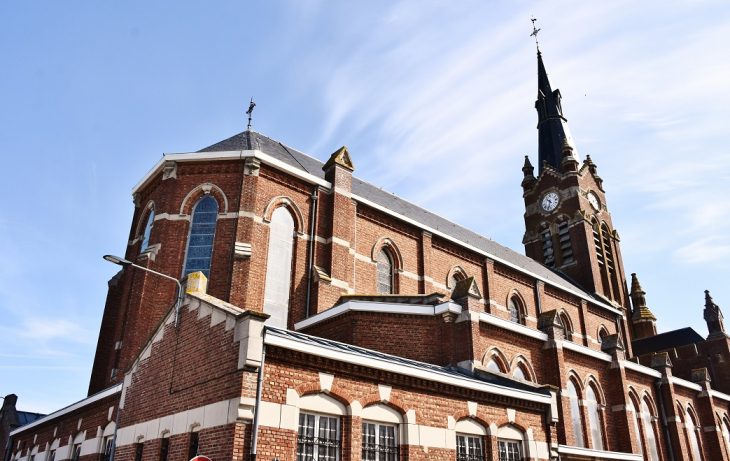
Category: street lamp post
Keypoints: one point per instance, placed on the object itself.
(124, 263)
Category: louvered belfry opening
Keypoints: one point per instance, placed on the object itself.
(566, 248)
(546, 237)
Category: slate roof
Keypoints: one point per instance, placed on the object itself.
(483, 376)
(252, 140)
(664, 341)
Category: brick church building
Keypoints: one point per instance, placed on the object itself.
(322, 318)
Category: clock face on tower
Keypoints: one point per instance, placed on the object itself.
(594, 201)
(550, 201)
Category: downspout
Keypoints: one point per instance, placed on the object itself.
(116, 426)
(310, 263)
(537, 296)
(658, 386)
(259, 386)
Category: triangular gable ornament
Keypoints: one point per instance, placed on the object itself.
(340, 157)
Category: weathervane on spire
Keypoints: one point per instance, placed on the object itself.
(249, 112)
(534, 33)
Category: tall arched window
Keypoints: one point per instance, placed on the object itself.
(594, 419)
(693, 439)
(147, 231)
(647, 419)
(519, 373)
(278, 267)
(635, 417)
(385, 273)
(575, 414)
(726, 434)
(202, 236)
(515, 310)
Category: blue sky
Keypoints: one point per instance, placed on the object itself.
(434, 99)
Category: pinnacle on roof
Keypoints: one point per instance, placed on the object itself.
(340, 157)
(714, 318)
(552, 125)
(641, 311)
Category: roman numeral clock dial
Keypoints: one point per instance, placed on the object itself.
(550, 201)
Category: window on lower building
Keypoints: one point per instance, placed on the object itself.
(469, 448)
(164, 449)
(379, 442)
(519, 374)
(193, 446)
(76, 452)
(509, 450)
(107, 445)
(52, 455)
(319, 438)
(139, 451)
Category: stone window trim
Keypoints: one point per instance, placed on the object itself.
(567, 325)
(521, 362)
(495, 354)
(516, 298)
(694, 434)
(457, 273)
(143, 221)
(292, 208)
(200, 191)
(387, 244)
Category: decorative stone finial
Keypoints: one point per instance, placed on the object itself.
(466, 287)
(529, 181)
(340, 157)
(661, 360)
(714, 318)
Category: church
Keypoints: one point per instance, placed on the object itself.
(272, 306)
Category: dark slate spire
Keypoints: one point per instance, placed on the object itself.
(552, 125)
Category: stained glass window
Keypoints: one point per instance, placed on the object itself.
(147, 231)
(202, 235)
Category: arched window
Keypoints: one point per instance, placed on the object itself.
(594, 418)
(602, 333)
(647, 419)
(635, 417)
(692, 430)
(319, 435)
(510, 443)
(469, 435)
(385, 273)
(147, 231)
(278, 268)
(726, 433)
(515, 310)
(575, 414)
(519, 373)
(565, 327)
(380, 434)
(492, 365)
(202, 236)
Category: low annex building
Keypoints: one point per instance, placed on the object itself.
(326, 319)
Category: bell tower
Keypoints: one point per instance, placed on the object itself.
(568, 225)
